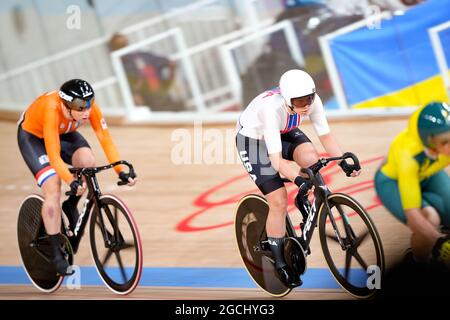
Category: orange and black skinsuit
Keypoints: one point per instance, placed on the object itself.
(47, 139)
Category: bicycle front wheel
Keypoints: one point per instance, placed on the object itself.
(348, 234)
(116, 245)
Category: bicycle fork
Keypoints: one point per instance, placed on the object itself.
(334, 225)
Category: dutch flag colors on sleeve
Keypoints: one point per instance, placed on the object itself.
(44, 174)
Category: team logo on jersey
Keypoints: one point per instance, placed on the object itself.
(43, 159)
(62, 126)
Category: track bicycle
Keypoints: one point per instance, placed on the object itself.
(347, 233)
(115, 242)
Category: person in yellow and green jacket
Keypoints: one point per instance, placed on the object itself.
(413, 185)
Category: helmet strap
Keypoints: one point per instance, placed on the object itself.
(70, 112)
(290, 107)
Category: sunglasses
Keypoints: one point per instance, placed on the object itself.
(305, 100)
(87, 106)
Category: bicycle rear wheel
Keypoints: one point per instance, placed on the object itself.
(116, 245)
(35, 248)
(249, 226)
(360, 242)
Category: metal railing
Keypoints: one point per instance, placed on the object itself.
(92, 60)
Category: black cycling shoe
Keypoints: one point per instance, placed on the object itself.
(71, 214)
(59, 261)
(289, 278)
(61, 265)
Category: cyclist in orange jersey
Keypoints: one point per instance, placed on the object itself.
(48, 141)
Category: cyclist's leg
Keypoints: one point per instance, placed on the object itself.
(255, 159)
(276, 219)
(298, 147)
(436, 192)
(83, 157)
(388, 192)
(33, 152)
(305, 155)
(51, 213)
(276, 230)
(429, 209)
(76, 151)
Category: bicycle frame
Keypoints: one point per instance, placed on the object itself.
(321, 193)
(92, 199)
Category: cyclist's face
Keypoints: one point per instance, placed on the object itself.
(442, 143)
(301, 104)
(79, 114)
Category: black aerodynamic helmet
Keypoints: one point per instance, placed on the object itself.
(77, 94)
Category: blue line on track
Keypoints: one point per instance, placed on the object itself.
(314, 278)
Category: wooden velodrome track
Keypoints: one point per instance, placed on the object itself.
(185, 211)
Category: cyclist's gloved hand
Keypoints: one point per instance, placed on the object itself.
(125, 177)
(303, 184)
(349, 168)
(77, 188)
(441, 251)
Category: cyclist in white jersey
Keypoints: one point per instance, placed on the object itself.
(268, 138)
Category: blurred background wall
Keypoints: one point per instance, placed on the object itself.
(45, 42)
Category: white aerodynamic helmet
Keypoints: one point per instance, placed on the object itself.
(296, 83)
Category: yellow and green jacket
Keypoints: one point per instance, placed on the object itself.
(409, 164)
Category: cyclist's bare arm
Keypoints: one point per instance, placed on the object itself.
(330, 145)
